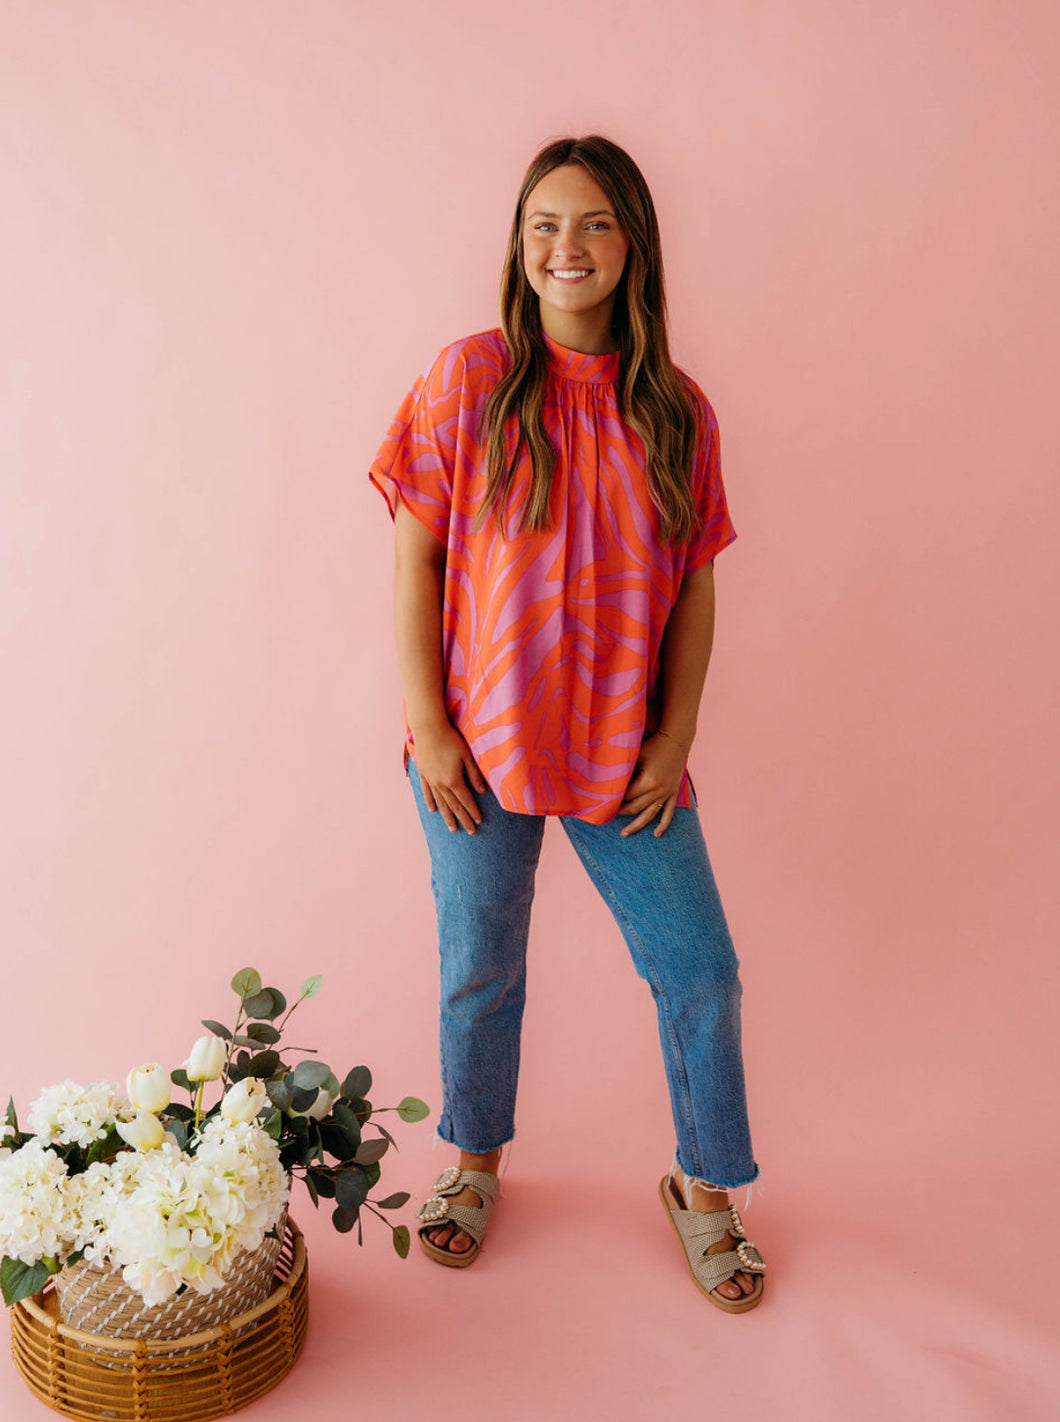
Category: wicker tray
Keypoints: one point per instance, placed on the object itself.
(203, 1375)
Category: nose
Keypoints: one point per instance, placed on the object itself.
(568, 245)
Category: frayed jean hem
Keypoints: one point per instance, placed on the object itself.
(753, 1185)
(438, 1139)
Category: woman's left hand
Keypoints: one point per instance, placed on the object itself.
(654, 784)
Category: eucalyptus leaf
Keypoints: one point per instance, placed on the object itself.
(351, 1187)
(371, 1174)
(280, 1093)
(325, 1184)
(302, 1098)
(217, 1028)
(273, 1125)
(394, 1202)
(310, 1185)
(11, 1118)
(334, 1141)
(263, 1065)
(260, 1004)
(263, 1032)
(179, 1131)
(179, 1077)
(411, 1108)
(401, 1240)
(344, 1219)
(369, 1151)
(279, 1002)
(311, 986)
(349, 1124)
(358, 1083)
(310, 1074)
(312, 1146)
(247, 982)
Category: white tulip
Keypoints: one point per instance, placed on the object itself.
(243, 1101)
(143, 1132)
(147, 1087)
(320, 1107)
(207, 1059)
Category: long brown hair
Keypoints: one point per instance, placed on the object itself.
(654, 398)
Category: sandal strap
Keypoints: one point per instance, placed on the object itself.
(473, 1219)
(702, 1227)
(699, 1230)
(485, 1185)
(714, 1269)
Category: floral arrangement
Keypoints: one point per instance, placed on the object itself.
(169, 1193)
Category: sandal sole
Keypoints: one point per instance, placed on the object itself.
(750, 1301)
(446, 1256)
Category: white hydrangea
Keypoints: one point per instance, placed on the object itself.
(70, 1114)
(35, 1220)
(246, 1161)
(94, 1197)
(164, 1218)
(184, 1218)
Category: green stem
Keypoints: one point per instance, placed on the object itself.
(231, 1040)
(198, 1103)
(283, 1023)
(366, 1206)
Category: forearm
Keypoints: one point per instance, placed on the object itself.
(418, 587)
(685, 655)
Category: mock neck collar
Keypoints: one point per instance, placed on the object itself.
(580, 365)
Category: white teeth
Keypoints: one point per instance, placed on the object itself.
(570, 275)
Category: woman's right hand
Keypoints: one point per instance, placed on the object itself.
(444, 759)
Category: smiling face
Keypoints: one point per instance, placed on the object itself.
(574, 252)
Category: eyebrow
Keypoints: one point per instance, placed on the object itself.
(597, 212)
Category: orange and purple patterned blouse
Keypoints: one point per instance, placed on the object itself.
(551, 640)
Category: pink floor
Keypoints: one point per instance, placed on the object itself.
(580, 1307)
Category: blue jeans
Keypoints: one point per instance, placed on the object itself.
(662, 894)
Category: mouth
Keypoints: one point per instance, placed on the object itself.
(570, 275)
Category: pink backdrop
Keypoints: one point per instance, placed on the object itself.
(232, 235)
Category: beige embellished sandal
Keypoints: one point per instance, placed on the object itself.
(471, 1218)
(697, 1230)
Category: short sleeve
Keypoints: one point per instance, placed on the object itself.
(716, 530)
(417, 458)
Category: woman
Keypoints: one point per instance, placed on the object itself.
(556, 489)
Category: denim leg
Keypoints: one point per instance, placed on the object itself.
(483, 888)
(663, 896)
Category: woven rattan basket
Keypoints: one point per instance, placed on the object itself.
(96, 1299)
(205, 1375)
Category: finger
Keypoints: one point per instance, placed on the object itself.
(443, 808)
(458, 810)
(645, 818)
(666, 817)
(466, 798)
(428, 795)
(475, 776)
(643, 800)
